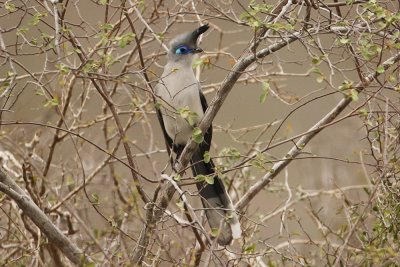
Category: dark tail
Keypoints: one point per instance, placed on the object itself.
(216, 201)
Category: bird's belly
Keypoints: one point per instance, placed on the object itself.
(176, 126)
(179, 130)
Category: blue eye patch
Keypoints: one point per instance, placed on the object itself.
(183, 50)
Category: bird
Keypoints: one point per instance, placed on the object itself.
(178, 89)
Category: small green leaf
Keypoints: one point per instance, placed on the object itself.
(250, 249)
(315, 60)
(184, 112)
(10, 7)
(192, 119)
(36, 18)
(189, 115)
(180, 205)
(232, 153)
(200, 178)
(197, 135)
(346, 85)
(125, 39)
(160, 36)
(209, 179)
(95, 200)
(380, 69)
(62, 68)
(363, 112)
(106, 26)
(207, 157)
(214, 232)
(177, 177)
(52, 103)
(354, 95)
(39, 93)
(22, 30)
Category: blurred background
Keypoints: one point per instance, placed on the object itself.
(57, 131)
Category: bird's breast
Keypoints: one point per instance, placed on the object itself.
(179, 89)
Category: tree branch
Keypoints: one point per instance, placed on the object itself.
(303, 141)
(54, 235)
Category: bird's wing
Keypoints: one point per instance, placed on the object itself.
(208, 135)
(168, 140)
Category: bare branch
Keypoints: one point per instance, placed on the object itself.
(55, 236)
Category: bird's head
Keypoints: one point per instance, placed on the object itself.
(184, 46)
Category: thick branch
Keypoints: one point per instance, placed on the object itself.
(296, 149)
(226, 88)
(54, 235)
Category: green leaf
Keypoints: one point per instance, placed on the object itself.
(380, 69)
(197, 135)
(207, 157)
(10, 7)
(354, 95)
(106, 26)
(36, 18)
(158, 105)
(363, 112)
(52, 103)
(180, 205)
(346, 85)
(315, 60)
(190, 116)
(192, 119)
(62, 68)
(316, 70)
(200, 178)
(214, 232)
(22, 30)
(39, 92)
(184, 112)
(344, 40)
(177, 177)
(209, 179)
(125, 39)
(250, 249)
(392, 79)
(46, 36)
(95, 200)
(232, 153)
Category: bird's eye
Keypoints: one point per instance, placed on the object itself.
(182, 50)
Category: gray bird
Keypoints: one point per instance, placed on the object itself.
(179, 89)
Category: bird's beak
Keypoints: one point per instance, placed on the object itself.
(197, 50)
